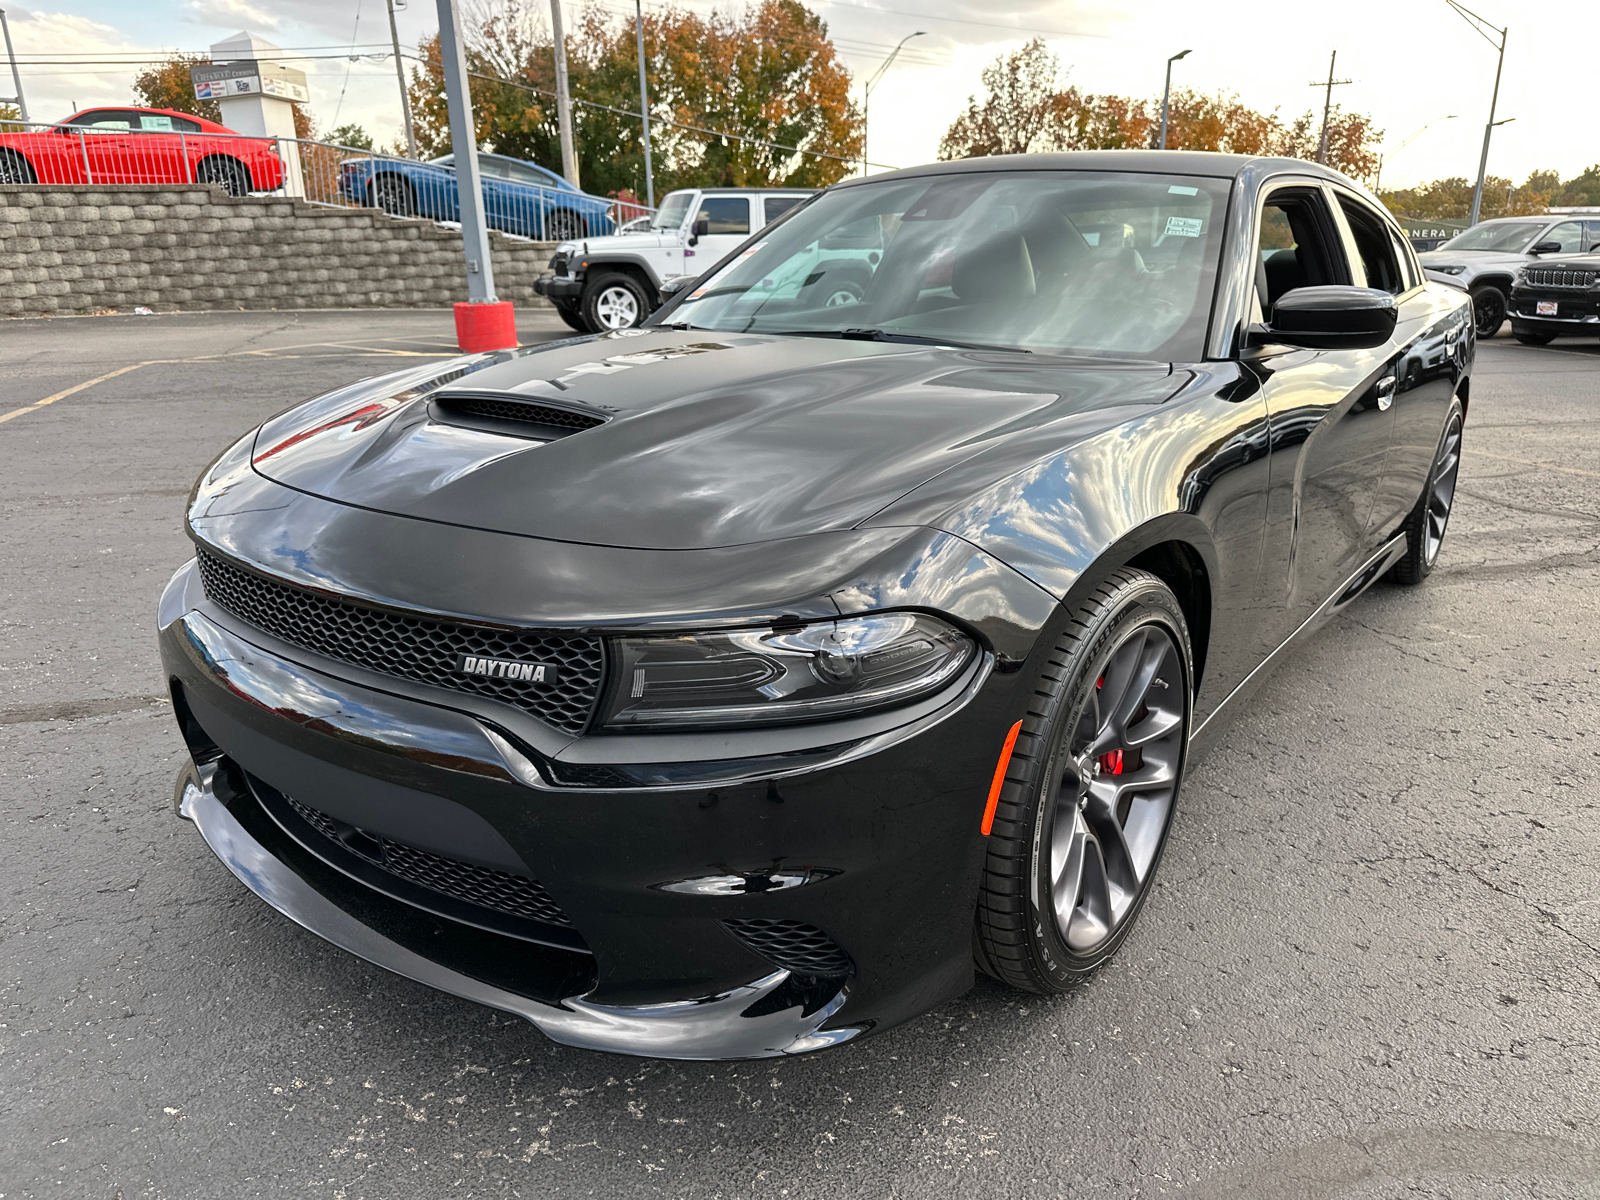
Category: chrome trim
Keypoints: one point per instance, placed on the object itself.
(705, 1027)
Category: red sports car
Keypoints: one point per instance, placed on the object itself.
(140, 145)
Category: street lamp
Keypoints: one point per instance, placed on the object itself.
(1383, 158)
(866, 94)
(18, 100)
(1166, 95)
(1479, 24)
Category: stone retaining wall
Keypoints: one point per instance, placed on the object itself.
(84, 248)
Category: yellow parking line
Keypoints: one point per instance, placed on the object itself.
(88, 383)
(1528, 462)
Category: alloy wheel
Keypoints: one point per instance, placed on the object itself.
(392, 196)
(562, 226)
(616, 308)
(1442, 491)
(1117, 784)
(216, 171)
(1489, 310)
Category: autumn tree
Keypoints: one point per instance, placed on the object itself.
(1014, 116)
(167, 85)
(769, 75)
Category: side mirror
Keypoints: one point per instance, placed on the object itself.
(1339, 317)
(1546, 248)
(674, 284)
(701, 227)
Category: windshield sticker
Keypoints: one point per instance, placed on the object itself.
(1179, 190)
(751, 251)
(1184, 226)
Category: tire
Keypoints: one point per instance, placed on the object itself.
(1534, 339)
(563, 225)
(1043, 924)
(16, 169)
(1489, 306)
(1425, 527)
(571, 316)
(229, 172)
(614, 301)
(392, 194)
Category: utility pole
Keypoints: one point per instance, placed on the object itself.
(1480, 25)
(1327, 106)
(644, 106)
(569, 162)
(1166, 96)
(483, 323)
(400, 74)
(16, 79)
(866, 92)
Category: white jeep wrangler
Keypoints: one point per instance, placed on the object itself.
(614, 282)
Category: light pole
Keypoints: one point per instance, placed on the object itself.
(569, 161)
(866, 93)
(1480, 25)
(644, 106)
(1383, 158)
(22, 105)
(1166, 96)
(400, 74)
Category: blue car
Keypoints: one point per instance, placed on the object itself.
(518, 197)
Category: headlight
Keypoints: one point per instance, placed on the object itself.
(771, 676)
(1453, 269)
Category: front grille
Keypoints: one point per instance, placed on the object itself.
(1560, 277)
(415, 647)
(499, 890)
(792, 945)
(505, 408)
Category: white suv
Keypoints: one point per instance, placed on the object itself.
(615, 282)
(1485, 259)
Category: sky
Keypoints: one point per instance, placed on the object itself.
(1410, 62)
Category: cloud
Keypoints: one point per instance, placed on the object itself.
(232, 13)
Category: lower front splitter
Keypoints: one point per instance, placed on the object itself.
(752, 1021)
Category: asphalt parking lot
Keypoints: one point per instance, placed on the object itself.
(1370, 967)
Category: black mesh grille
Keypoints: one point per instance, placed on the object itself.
(499, 890)
(793, 945)
(415, 647)
(1559, 277)
(507, 409)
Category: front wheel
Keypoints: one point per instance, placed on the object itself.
(1090, 790)
(1488, 310)
(16, 169)
(1425, 526)
(563, 225)
(1533, 339)
(572, 317)
(230, 173)
(614, 301)
(393, 195)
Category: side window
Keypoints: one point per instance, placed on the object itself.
(1294, 248)
(725, 214)
(1409, 266)
(1375, 251)
(1591, 237)
(107, 120)
(776, 206)
(1569, 234)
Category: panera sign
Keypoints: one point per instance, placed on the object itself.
(218, 81)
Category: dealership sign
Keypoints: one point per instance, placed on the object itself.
(218, 81)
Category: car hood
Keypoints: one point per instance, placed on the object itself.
(1472, 258)
(710, 439)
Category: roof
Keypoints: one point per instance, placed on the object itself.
(1149, 162)
(751, 191)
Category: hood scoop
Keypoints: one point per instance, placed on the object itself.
(506, 412)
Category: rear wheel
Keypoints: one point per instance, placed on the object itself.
(16, 169)
(1426, 525)
(614, 301)
(392, 194)
(1533, 339)
(1488, 309)
(230, 173)
(571, 316)
(1090, 790)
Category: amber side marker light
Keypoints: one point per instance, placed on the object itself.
(999, 778)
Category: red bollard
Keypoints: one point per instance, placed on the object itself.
(486, 327)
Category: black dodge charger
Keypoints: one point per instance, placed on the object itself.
(738, 685)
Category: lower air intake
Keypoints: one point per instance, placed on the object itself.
(793, 945)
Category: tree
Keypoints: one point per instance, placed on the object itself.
(353, 136)
(168, 85)
(10, 115)
(769, 75)
(1022, 102)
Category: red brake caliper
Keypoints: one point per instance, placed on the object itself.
(1111, 760)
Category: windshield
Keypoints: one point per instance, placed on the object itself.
(1509, 239)
(672, 211)
(1076, 262)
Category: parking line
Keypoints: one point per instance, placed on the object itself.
(1531, 462)
(88, 383)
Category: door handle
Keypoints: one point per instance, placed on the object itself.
(1385, 393)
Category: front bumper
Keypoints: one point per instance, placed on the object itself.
(1577, 312)
(873, 841)
(565, 288)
